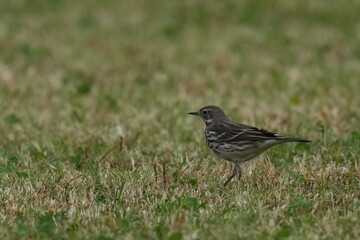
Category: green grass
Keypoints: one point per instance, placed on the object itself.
(77, 76)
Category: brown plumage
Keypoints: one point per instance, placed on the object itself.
(237, 142)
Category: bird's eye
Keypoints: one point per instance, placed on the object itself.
(204, 112)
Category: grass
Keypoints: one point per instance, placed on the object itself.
(95, 142)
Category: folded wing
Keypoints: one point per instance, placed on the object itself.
(237, 132)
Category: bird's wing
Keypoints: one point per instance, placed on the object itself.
(236, 132)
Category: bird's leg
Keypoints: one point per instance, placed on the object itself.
(239, 173)
(235, 172)
(231, 177)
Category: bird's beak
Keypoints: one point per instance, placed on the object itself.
(193, 113)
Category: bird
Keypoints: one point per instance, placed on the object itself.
(237, 142)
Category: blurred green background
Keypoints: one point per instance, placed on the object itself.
(74, 75)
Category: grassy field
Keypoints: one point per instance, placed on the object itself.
(95, 142)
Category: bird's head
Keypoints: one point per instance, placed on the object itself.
(210, 113)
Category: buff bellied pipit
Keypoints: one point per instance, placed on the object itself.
(236, 142)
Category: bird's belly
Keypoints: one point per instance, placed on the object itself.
(233, 153)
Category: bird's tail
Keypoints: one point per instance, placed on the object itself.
(287, 139)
